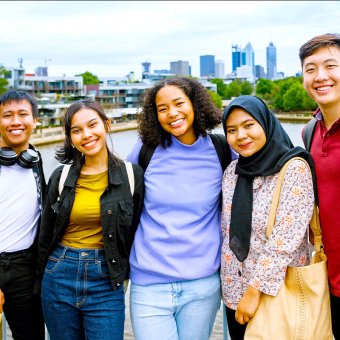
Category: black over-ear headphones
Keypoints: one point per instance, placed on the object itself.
(26, 159)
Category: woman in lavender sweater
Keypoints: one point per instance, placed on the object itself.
(175, 257)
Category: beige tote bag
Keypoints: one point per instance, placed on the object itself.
(301, 310)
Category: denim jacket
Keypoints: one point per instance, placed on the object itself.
(120, 213)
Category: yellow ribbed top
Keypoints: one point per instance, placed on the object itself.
(84, 229)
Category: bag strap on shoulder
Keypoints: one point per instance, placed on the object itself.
(131, 176)
(308, 133)
(67, 167)
(222, 149)
(314, 223)
(145, 155)
(219, 141)
(63, 177)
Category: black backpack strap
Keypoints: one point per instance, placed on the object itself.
(145, 155)
(308, 133)
(222, 149)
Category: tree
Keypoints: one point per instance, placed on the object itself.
(233, 89)
(221, 87)
(283, 85)
(3, 80)
(89, 78)
(216, 98)
(264, 88)
(246, 88)
(296, 99)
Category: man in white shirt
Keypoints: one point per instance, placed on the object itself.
(22, 187)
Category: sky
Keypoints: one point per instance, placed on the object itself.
(113, 38)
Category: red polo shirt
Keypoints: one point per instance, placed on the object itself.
(325, 150)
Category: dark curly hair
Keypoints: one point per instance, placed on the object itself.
(67, 153)
(206, 115)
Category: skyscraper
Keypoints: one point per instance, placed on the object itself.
(219, 69)
(259, 72)
(146, 67)
(271, 61)
(41, 71)
(236, 57)
(207, 66)
(180, 68)
(248, 57)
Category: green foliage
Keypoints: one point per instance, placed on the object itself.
(89, 78)
(3, 81)
(246, 88)
(221, 87)
(216, 98)
(289, 95)
(283, 85)
(234, 89)
(264, 88)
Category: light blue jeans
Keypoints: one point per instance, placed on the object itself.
(184, 310)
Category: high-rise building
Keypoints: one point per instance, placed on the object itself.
(271, 61)
(41, 71)
(259, 72)
(219, 69)
(207, 66)
(146, 67)
(180, 68)
(248, 57)
(235, 57)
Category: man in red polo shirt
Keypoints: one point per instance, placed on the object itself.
(320, 60)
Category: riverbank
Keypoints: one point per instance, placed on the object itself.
(294, 117)
(56, 134)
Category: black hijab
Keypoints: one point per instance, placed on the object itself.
(277, 150)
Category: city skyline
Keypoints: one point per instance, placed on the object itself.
(113, 38)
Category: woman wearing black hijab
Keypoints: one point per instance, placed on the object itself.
(252, 264)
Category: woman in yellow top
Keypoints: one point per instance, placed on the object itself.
(87, 232)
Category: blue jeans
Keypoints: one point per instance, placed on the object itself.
(175, 311)
(78, 299)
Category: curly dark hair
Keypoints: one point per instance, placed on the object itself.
(206, 115)
(67, 153)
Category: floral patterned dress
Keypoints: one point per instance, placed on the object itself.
(267, 261)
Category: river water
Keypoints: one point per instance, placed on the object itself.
(122, 143)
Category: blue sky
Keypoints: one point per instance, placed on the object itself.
(112, 38)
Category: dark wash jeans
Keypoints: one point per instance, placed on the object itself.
(22, 309)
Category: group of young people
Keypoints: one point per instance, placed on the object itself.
(184, 219)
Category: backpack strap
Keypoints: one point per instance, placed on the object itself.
(129, 170)
(63, 177)
(221, 146)
(145, 155)
(308, 133)
(222, 149)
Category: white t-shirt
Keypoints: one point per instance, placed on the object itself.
(19, 208)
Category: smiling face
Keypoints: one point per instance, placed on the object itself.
(88, 133)
(321, 77)
(16, 125)
(244, 134)
(175, 113)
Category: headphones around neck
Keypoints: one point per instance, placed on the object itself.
(26, 159)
